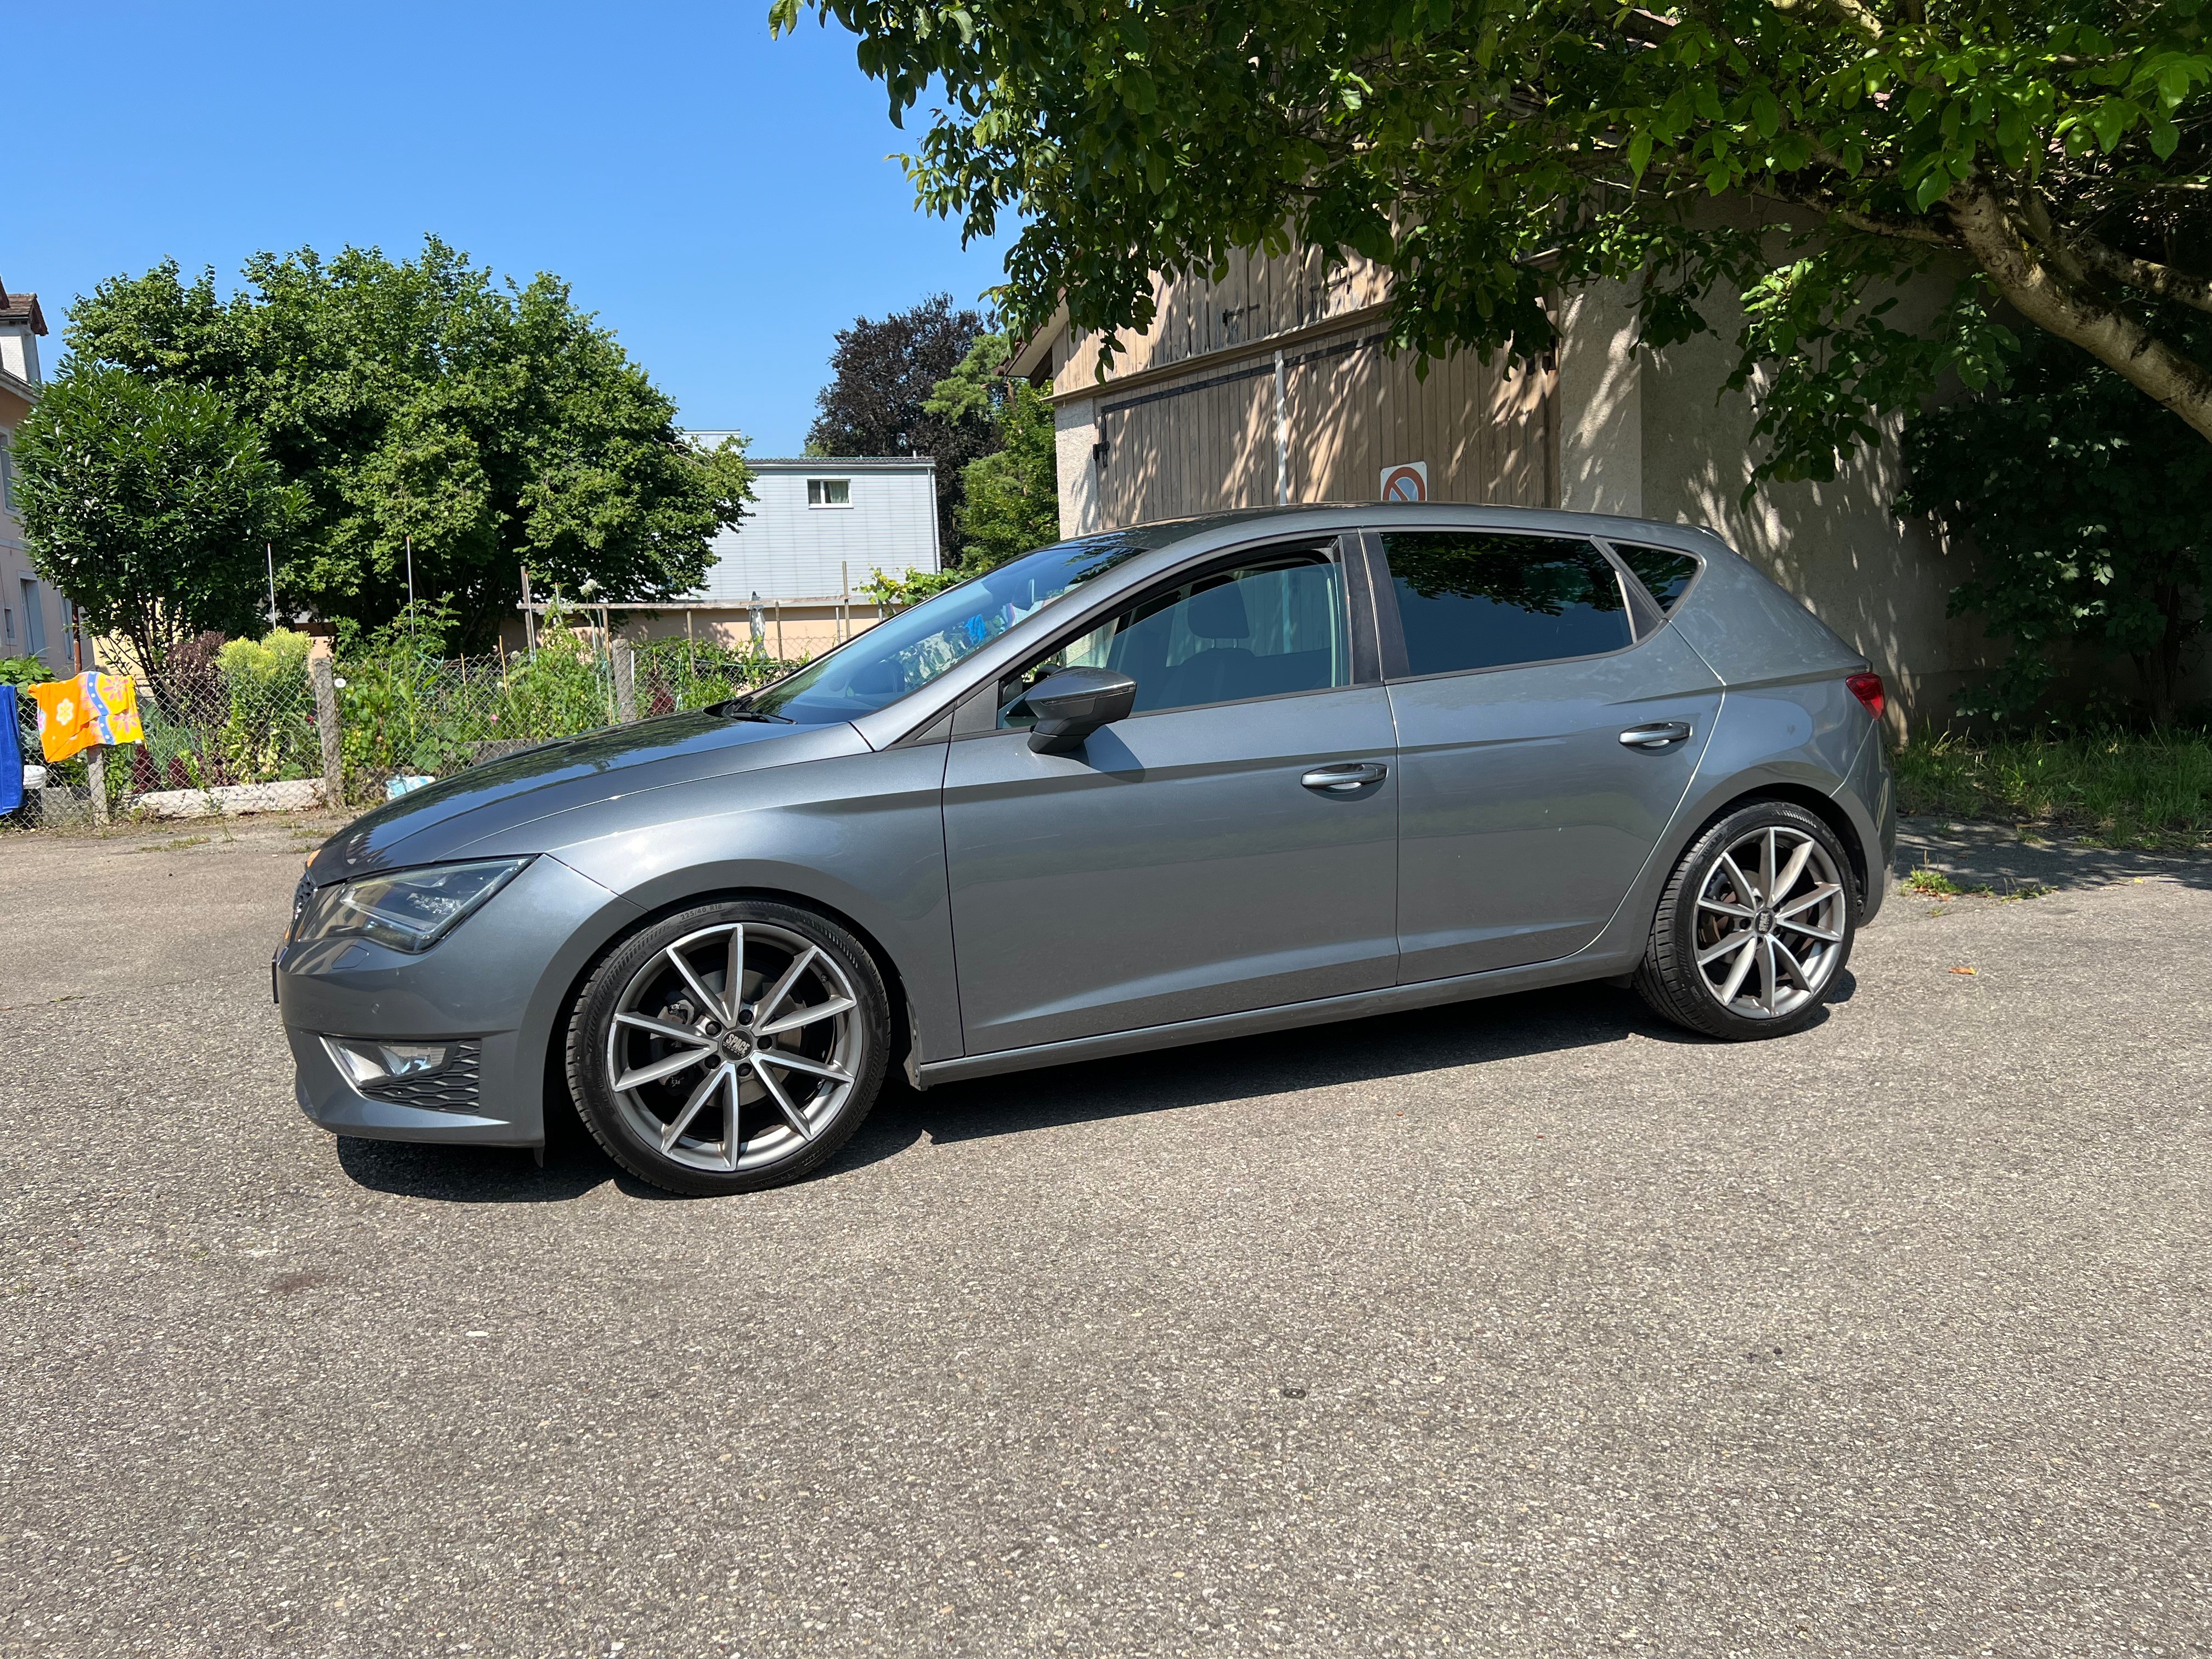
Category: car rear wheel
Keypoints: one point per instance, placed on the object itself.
(734, 1047)
(1755, 925)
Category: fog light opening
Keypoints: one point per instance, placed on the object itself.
(366, 1063)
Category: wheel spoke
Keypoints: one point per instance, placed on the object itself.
(660, 1028)
(1791, 872)
(800, 1063)
(766, 1007)
(700, 1096)
(1713, 953)
(792, 1114)
(1738, 969)
(1818, 895)
(665, 1066)
(1820, 934)
(1770, 892)
(732, 1146)
(733, 974)
(808, 1014)
(1789, 960)
(1766, 974)
(708, 1002)
(1745, 890)
(1721, 907)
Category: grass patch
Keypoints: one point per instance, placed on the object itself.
(176, 846)
(2122, 788)
(1931, 883)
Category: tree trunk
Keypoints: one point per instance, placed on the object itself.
(2053, 300)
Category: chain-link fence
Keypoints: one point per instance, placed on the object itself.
(247, 733)
(209, 739)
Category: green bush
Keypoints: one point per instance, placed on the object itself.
(25, 670)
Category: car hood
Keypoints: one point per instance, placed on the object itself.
(440, 820)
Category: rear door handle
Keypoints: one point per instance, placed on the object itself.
(1657, 735)
(1343, 780)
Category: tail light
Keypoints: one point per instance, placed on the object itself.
(1867, 688)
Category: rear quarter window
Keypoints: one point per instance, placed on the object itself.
(1664, 572)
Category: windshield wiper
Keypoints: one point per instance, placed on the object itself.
(741, 709)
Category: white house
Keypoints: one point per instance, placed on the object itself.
(789, 574)
(35, 619)
(819, 525)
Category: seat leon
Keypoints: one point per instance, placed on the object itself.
(1155, 787)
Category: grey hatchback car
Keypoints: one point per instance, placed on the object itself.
(1174, 783)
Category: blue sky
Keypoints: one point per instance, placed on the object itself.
(722, 200)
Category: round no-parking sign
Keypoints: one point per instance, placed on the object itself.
(1407, 481)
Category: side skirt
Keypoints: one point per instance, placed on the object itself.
(1357, 1004)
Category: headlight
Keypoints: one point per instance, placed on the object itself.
(407, 910)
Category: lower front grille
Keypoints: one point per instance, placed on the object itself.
(453, 1087)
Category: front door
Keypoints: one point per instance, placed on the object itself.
(1231, 846)
(1543, 749)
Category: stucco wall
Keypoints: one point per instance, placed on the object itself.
(1652, 433)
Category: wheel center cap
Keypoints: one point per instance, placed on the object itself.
(737, 1045)
(1763, 923)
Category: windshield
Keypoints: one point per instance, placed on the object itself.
(879, 667)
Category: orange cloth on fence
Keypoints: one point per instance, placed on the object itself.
(73, 714)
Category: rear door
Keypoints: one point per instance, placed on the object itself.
(1232, 845)
(1548, 724)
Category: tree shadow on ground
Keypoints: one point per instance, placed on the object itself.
(1993, 855)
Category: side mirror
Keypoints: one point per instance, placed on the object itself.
(1071, 705)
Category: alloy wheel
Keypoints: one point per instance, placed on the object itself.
(1771, 917)
(736, 1047)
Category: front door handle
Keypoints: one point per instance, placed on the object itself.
(1657, 735)
(1343, 780)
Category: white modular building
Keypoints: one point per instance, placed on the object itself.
(818, 525)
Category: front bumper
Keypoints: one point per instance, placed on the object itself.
(501, 980)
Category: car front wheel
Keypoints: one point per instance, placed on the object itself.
(1755, 925)
(734, 1047)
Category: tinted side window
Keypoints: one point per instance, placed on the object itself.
(1480, 599)
(1263, 630)
(1661, 570)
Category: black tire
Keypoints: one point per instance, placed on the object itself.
(1670, 978)
(641, 981)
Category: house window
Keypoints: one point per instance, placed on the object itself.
(829, 492)
(8, 612)
(34, 618)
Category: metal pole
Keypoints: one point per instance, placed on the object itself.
(845, 603)
(529, 615)
(410, 572)
(270, 553)
(1282, 434)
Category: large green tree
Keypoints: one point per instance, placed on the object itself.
(495, 424)
(149, 503)
(2046, 158)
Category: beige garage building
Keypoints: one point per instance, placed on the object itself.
(1277, 383)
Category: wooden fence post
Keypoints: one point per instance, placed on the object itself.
(625, 655)
(322, 677)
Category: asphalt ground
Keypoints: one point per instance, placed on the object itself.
(1528, 1327)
